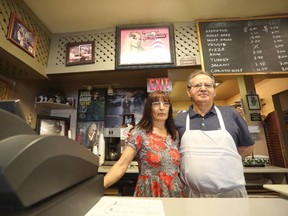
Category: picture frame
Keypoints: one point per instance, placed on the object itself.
(128, 120)
(4, 89)
(145, 46)
(52, 125)
(79, 53)
(253, 102)
(21, 35)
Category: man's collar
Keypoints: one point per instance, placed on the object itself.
(192, 113)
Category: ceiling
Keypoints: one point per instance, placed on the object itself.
(62, 16)
(75, 15)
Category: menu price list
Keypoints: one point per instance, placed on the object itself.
(239, 46)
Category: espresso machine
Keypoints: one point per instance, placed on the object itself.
(112, 145)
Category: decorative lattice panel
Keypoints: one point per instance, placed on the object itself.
(104, 46)
(185, 43)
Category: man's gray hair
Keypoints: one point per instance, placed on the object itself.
(196, 73)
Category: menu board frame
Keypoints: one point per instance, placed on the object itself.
(242, 58)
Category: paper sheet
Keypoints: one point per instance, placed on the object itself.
(115, 206)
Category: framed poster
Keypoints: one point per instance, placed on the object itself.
(124, 102)
(145, 46)
(80, 53)
(21, 35)
(52, 125)
(91, 105)
(88, 133)
(253, 102)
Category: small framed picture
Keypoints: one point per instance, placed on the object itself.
(128, 120)
(80, 53)
(21, 35)
(253, 102)
(52, 125)
(145, 46)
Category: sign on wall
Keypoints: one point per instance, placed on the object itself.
(163, 84)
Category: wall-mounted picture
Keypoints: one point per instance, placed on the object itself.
(4, 89)
(253, 102)
(21, 35)
(91, 105)
(88, 133)
(52, 125)
(80, 53)
(128, 120)
(145, 46)
(123, 102)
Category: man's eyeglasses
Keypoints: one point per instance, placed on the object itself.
(200, 85)
(158, 104)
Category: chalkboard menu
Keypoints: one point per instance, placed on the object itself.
(244, 45)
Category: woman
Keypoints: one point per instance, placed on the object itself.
(132, 49)
(93, 136)
(154, 141)
(134, 42)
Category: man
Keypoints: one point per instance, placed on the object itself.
(213, 142)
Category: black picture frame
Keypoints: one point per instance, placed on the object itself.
(145, 46)
(253, 102)
(79, 53)
(128, 120)
(52, 125)
(21, 35)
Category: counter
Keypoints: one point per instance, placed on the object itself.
(277, 175)
(198, 206)
(255, 178)
(131, 169)
(279, 188)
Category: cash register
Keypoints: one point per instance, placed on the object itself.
(44, 174)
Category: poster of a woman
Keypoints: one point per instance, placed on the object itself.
(144, 46)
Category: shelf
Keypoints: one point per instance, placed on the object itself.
(51, 105)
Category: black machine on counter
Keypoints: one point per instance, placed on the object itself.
(45, 175)
(112, 145)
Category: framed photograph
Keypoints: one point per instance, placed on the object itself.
(21, 35)
(4, 89)
(145, 46)
(253, 102)
(128, 120)
(80, 53)
(52, 125)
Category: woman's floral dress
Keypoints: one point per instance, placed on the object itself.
(158, 162)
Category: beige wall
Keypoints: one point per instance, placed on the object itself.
(265, 89)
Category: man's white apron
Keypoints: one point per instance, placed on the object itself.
(210, 163)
